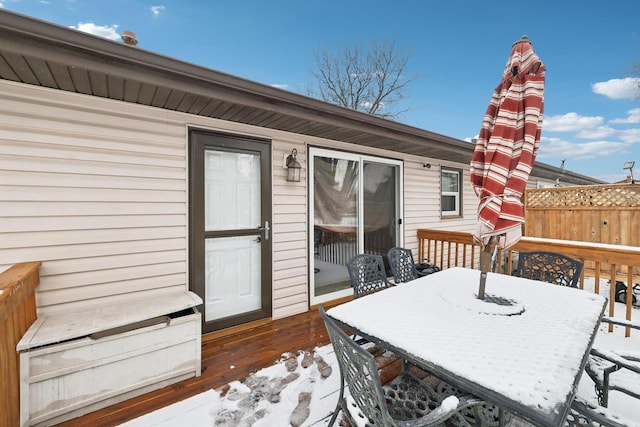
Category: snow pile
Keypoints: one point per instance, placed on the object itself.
(299, 390)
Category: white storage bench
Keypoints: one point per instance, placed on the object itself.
(74, 363)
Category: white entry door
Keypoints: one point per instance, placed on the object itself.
(232, 268)
(232, 263)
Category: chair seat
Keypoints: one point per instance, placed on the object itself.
(614, 370)
(487, 413)
(620, 379)
(409, 399)
(583, 413)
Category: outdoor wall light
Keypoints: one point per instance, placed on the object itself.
(630, 165)
(293, 167)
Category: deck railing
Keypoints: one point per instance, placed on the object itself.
(602, 261)
(17, 313)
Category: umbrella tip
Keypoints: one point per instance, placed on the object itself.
(523, 39)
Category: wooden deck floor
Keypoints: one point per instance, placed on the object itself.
(224, 359)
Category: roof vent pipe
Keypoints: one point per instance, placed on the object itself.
(129, 38)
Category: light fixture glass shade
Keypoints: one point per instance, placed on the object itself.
(293, 167)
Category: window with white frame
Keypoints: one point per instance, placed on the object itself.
(450, 192)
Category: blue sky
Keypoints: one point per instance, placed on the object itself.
(457, 51)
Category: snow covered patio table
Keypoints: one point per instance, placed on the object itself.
(524, 352)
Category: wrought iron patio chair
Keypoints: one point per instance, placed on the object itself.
(405, 401)
(614, 370)
(583, 413)
(402, 265)
(485, 414)
(549, 267)
(367, 274)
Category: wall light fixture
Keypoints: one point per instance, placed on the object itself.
(293, 167)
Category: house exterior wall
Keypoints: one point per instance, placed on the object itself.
(98, 191)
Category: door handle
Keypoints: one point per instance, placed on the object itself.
(266, 229)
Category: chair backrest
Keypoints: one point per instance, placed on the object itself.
(402, 265)
(367, 274)
(359, 371)
(549, 267)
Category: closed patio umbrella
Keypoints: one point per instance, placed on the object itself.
(505, 151)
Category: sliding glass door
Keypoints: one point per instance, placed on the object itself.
(355, 208)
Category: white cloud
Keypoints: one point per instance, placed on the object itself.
(560, 149)
(108, 32)
(598, 133)
(1, 5)
(157, 9)
(570, 122)
(630, 136)
(281, 86)
(618, 88)
(633, 117)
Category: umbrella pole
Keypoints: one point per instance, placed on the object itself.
(485, 264)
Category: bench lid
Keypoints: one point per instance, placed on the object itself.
(58, 327)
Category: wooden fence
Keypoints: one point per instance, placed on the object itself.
(453, 248)
(17, 313)
(594, 213)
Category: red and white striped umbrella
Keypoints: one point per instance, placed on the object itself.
(507, 145)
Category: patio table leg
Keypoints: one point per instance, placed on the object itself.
(485, 265)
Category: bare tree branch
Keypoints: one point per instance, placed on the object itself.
(373, 81)
(636, 71)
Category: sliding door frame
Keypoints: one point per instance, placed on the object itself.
(399, 222)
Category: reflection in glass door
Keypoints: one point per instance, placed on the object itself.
(355, 208)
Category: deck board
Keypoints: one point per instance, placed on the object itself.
(224, 359)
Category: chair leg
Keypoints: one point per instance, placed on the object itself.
(477, 416)
(335, 415)
(604, 400)
(339, 403)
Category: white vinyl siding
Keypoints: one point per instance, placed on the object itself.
(422, 201)
(290, 275)
(97, 190)
(94, 189)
